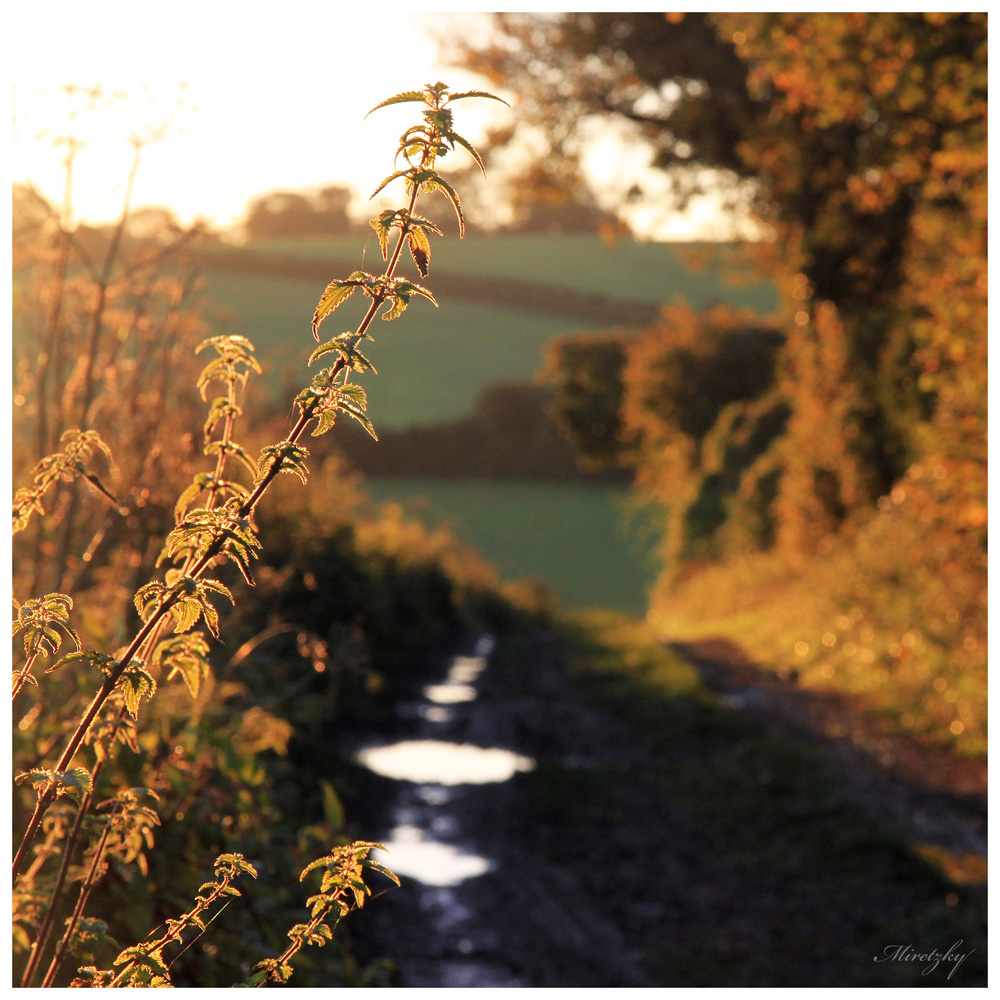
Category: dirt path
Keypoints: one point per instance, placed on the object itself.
(518, 923)
(580, 873)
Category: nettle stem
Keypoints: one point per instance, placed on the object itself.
(206, 536)
(196, 571)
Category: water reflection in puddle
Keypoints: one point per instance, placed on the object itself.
(431, 862)
(435, 713)
(433, 795)
(425, 842)
(441, 763)
(449, 694)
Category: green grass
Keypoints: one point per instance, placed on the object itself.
(432, 363)
(644, 272)
(574, 537)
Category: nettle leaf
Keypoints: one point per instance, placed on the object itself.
(76, 782)
(135, 682)
(440, 120)
(345, 345)
(420, 249)
(142, 955)
(383, 227)
(235, 361)
(150, 596)
(433, 181)
(112, 727)
(400, 292)
(190, 596)
(188, 497)
(234, 864)
(355, 394)
(388, 180)
(202, 531)
(324, 422)
(290, 456)
(45, 621)
(187, 655)
(418, 221)
(234, 342)
(405, 97)
(26, 503)
(374, 865)
(67, 464)
(220, 409)
(104, 662)
(397, 304)
(351, 408)
(336, 293)
(475, 93)
(270, 970)
(465, 144)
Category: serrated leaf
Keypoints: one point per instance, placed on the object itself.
(186, 615)
(405, 97)
(355, 394)
(328, 348)
(102, 661)
(377, 866)
(359, 416)
(465, 144)
(324, 422)
(395, 307)
(420, 250)
(188, 497)
(475, 93)
(336, 293)
(456, 203)
(388, 180)
(134, 683)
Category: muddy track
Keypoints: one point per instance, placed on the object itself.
(521, 923)
(638, 894)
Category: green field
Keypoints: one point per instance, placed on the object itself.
(432, 363)
(580, 539)
(644, 272)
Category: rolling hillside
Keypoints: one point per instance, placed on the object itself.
(502, 299)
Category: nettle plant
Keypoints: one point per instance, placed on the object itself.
(77, 812)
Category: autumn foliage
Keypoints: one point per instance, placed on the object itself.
(833, 483)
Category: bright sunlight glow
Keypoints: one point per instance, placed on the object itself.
(275, 98)
(250, 99)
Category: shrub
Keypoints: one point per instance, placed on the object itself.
(87, 818)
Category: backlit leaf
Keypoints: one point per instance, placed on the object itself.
(405, 97)
(335, 294)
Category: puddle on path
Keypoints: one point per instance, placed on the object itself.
(442, 763)
(424, 843)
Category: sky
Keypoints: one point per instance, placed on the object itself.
(275, 98)
(271, 97)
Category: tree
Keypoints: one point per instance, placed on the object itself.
(863, 136)
(288, 213)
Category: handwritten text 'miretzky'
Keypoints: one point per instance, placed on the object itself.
(932, 959)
